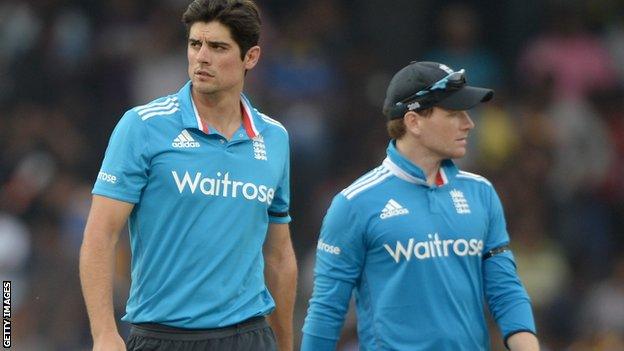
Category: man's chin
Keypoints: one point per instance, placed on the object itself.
(203, 87)
(459, 153)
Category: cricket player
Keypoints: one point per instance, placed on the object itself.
(202, 179)
(422, 244)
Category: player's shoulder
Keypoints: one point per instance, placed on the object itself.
(473, 179)
(272, 125)
(268, 126)
(368, 184)
(164, 106)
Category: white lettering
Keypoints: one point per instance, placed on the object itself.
(226, 183)
(185, 144)
(400, 250)
(251, 186)
(456, 249)
(217, 183)
(235, 186)
(434, 248)
(6, 332)
(107, 177)
(186, 180)
(437, 242)
(262, 189)
(392, 213)
(413, 106)
(474, 247)
(221, 187)
(421, 245)
(202, 186)
(270, 195)
(6, 313)
(334, 250)
(446, 245)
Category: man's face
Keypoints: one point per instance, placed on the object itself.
(445, 133)
(214, 58)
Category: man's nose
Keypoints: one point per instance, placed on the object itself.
(468, 123)
(204, 54)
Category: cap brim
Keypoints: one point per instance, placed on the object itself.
(466, 98)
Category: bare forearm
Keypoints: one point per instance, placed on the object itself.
(97, 265)
(281, 278)
(523, 342)
(97, 268)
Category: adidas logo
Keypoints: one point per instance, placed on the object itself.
(184, 140)
(392, 209)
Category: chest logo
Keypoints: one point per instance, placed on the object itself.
(184, 140)
(460, 202)
(392, 209)
(259, 148)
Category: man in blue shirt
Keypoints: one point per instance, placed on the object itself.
(423, 244)
(202, 179)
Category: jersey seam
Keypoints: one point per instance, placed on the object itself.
(363, 276)
(138, 229)
(352, 211)
(285, 168)
(117, 195)
(146, 143)
(374, 316)
(490, 219)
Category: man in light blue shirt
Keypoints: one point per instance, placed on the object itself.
(422, 244)
(202, 179)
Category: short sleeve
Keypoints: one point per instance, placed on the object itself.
(124, 171)
(278, 210)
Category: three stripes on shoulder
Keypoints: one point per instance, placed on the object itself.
(367, 181)
(166, 107)
(381, 173)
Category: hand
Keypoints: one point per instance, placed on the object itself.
(109, 342)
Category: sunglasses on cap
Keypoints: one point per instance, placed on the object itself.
(452, 82)
(429, 96)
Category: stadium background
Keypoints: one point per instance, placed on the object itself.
(552, 141)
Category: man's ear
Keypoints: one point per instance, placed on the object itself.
(251, 57)
(413, 122)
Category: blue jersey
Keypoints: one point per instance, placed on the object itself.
(414, 255)
(202, 209)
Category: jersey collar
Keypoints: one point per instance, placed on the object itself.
(403, 168)
(253, 123)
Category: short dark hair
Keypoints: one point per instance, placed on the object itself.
(241, 17)
(396, 127)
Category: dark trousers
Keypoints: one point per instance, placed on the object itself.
(254, 334)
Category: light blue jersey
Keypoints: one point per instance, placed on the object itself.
(414, 255)
(202, 209)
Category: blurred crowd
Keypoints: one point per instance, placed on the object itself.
(552, 140)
